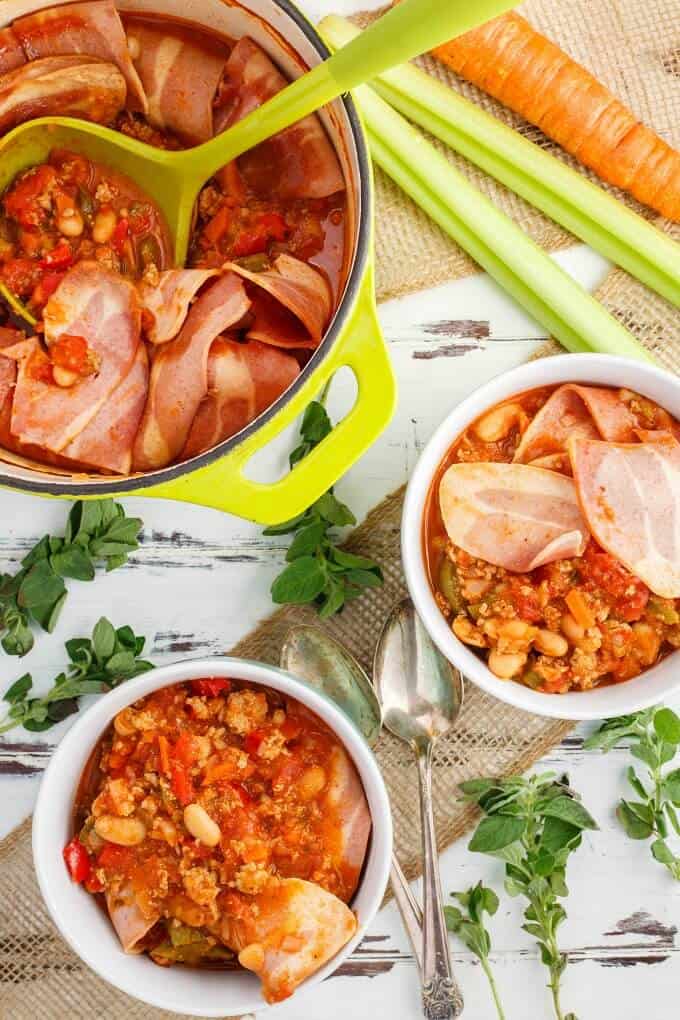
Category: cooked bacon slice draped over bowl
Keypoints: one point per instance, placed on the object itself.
(298, 927)
(106, 443)
(11, 51)
(513, 515)
(167, 301)
(299, 162)
(244, 379)
(292, 303)
(630, 494)
(590, 412)
(127, 917)
(179, 373)
(100, 306)
(68, 86)
(93, 28)
(180, 75)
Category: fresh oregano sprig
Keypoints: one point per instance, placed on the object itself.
(96, 532)
(468, 925)
(319, 572)
(533, 824)
(97, 664)
(654, 737)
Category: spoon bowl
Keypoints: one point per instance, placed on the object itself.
(420, 692)
(322, 662)
(174, 179)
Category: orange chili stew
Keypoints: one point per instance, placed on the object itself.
(69, 209)
(572, 624)
(200, 798)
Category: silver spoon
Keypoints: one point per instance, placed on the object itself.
(313, 656)
(421, 695)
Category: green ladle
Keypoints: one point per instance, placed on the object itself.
(174, 179)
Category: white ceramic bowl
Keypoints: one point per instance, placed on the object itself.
(86, 927)
(650, 687)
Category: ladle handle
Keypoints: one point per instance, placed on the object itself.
(412, 27)
(442, 999)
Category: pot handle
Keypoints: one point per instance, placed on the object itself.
(222, 485)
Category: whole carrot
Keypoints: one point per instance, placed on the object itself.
(531, 75)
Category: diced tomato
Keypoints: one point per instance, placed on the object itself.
(184, 749)
(243, 794)
(115, 858)
(120, 235)
(30, 240)
(140, 220)
(77, 860)
(291, 727)
(60, 257)
(47, 286)
(253, 240)
(93, 885)
(210, 687)
(274, 224)
(21, 203)
(21, 276)
(630, 594)
(253, 741)
(74, 354)
(71, 166)
(524, 597)
(181, 784)
(40, 367)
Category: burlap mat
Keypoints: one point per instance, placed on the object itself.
(631, 46)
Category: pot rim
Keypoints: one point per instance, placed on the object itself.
(75, 486)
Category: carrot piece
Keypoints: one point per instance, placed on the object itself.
(579, 608)
(164, 751)
(531, 75)
(220, 771)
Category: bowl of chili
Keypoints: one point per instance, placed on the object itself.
(188, 896)
(539, 536)
(293, 217)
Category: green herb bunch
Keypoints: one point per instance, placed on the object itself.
(468, 925)
(533, 824)
(96, 532)
(319, 572)
(97, 664)
(654, 736)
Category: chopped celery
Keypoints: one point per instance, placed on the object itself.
(561, 192)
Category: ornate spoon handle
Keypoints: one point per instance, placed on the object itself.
(442, 999)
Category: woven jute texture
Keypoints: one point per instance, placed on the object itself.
(632, 46)
(635, 48)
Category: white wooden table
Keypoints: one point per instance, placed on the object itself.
(201, 580)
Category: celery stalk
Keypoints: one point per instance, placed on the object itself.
(530, 276)
(563, 194)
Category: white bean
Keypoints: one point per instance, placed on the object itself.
(572, 630)
(201, 825)
(104, 226)
(311, 782)
(465, 631)
(122, 831)
(506, 666)
(63, 376)
(497, 423)
(550, 643)
(70, 223)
